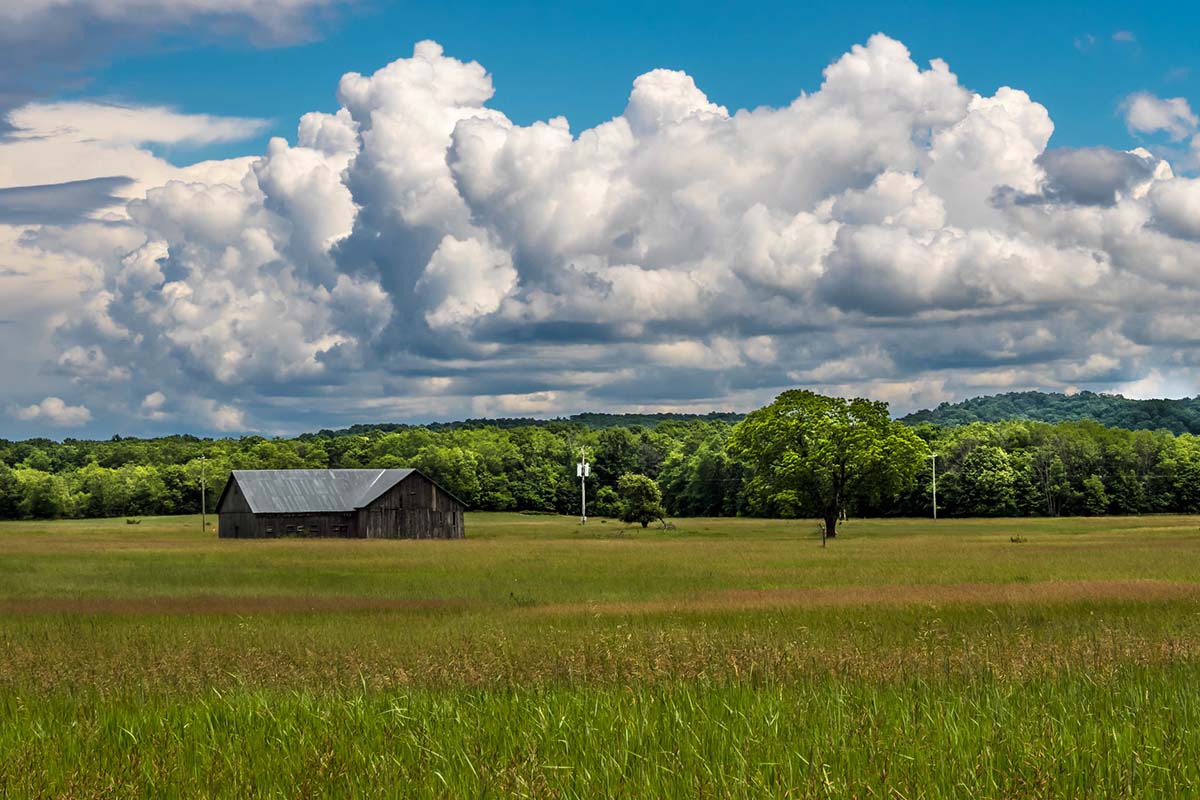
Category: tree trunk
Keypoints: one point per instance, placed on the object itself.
(831, 525)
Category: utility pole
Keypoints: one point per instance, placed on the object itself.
(203, 518)
(933, 463)
(582, 470)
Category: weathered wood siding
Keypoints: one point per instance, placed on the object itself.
(415, 508)
(270, 526)
(234, 518)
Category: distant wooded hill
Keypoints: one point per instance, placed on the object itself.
(1111, 410)
(590, 420)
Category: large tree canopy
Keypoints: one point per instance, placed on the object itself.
(814, 455)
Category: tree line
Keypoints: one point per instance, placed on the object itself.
(783, 461)
(1113, 410)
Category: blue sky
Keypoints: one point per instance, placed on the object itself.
(924, 202)
(1078, 59)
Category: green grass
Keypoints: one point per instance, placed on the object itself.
(726, 658)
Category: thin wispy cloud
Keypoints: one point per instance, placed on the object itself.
(46, 43)
(59, 203)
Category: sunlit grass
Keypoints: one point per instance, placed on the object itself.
(1128, 735)
(726, 658)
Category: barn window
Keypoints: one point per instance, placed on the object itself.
(270, 531)
(291, 529)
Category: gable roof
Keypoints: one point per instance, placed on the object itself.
(306, 491)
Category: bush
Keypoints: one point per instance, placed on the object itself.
(607, 503)
(641, 499)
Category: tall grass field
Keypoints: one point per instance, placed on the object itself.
(725, 658)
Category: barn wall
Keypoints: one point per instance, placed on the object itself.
(234, 518)
(415, 508)
(232, 499)
(271, 526)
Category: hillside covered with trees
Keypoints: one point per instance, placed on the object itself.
(1112, 410)
(1013, 467)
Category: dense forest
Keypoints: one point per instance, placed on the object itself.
(1013, 467)
(1113, 410)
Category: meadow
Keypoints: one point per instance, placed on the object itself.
(722, 658)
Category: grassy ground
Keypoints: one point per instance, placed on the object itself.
(726, 658)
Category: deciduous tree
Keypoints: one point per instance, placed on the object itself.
(641, 499)
(815, 455)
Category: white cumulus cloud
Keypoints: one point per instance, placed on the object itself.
(1147, 113)
(55, 411)
(418, 253)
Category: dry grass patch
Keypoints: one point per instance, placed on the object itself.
(1148, 591)
(220, 604)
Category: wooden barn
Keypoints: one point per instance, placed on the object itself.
(350, 503)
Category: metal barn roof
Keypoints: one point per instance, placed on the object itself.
(306, 491)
